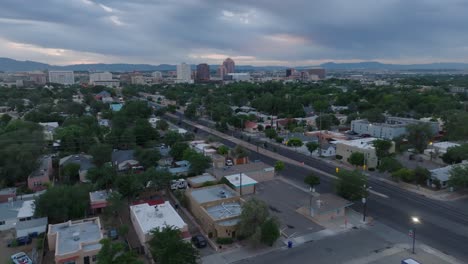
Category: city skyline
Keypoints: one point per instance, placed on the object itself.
(259, 33)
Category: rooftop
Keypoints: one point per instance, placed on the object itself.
(212, 193)
(328, 202)
(26, 209)
(85, 161)
(99, 196)
(22, 225)
(120, 156)
(158, 216)
(206, 177)
(72, 235)
(9, 210)
(445, 145)
(244, 168)
(236, 180)
(224, 210)
(8, 191)
(362, 143)
(44, 163)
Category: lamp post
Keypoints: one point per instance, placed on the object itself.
(415, 221)
(364, 202)
(312, 191)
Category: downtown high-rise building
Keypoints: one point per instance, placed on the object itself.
(184, 73)
(229, 65)
(203, 72)
(62, 77)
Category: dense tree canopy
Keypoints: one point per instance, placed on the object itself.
(167, 247)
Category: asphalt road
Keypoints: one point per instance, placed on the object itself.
(443, 226)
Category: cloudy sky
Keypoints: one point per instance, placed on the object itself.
(257, 32)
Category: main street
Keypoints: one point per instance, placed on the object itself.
(443, 226)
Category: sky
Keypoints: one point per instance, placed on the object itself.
(252, 32)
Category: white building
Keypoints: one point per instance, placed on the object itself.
(157, 75)
(394, 127)
(239, 77)
(147, 217)
(184, 73)
(62, 77)
(345, 148)
(99, 77)
(13, 212)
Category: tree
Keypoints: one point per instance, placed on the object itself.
(254, 213)
(312, 180)
(455, 125)
(312, 146)
(419, 136)
(404, 174)
(326, 121)
(162, 125)
(147, 157)
(167, 247)
(102, 177)
(144, 132)
(269, 231)
(357, 159)
(459, 176)
(382, 147)
(223, 150)
(101, 153)
(279, 166)
(279, 140)
(351, 185)
(389, 164)
(295, 142)
(171, 138)
(373, 115)
(270, 133)
(156, 179)
(128, 185)
(116, 253)
(239, 152)
(421, 175)
(456, 154)
(62, 203)
(177, 150)
(198, 162)
(191, 111)
(70, 173)
(114, 203)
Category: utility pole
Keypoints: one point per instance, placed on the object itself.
(240, 180)
(320, 137)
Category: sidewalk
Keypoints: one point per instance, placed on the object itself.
(236, 255)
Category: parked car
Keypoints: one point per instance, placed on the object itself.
(229, 163)
(178, 184)
(199, 241)
(20, 241)
(21, 258)
(112, 234)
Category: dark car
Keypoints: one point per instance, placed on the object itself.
(20, 241)
(199, 241)
(112, 234)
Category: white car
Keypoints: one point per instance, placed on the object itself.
(229, 163)
(178, 184)
(21, 258)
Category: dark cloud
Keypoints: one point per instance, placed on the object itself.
(262, 31)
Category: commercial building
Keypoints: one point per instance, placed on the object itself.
(99, 77)
(319, 72)
(62, 77)
(328, 206)
(364, 145)
(221, 72)
(39, 178)
(203, 72)
(76, 242)
(109, 84)
(184, 73)
(259, 171)
(217, 209)
(37, 77)
(290, 72)
(242, 183)
(392, 128)
(147, 217)
(229, 65)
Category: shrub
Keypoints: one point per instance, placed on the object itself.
(224, 240)
(339, 157)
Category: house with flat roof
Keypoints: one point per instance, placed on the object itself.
(98, 199)
(7, 193)
(146, 217)
(217, 209)
(13, 212)
(328, 206)
(200, 180)
(85, 162)
(242, 183)
(180, 168)
(365, 146)
(257, 170)
(33, 226)
(76, 241)
(40, 177)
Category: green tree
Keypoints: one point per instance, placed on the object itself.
(269, 231)
(373, 115)
(102, 177)
(162, 125)
(279, 166)
(70, 173)
(312, 146)
(455, 125)
(270, 133)
(404, 174)
(191, 111)
(459, 177)
(239, 152)
(144, 132)
(421, 175)
(198, 162)
(177, 150)
(75, 138)
(350, 185)
(171, 138)
(295, 142)
(326, 121)
(101, 153)
(167, 247)
(357, 159)
(279, 140)
(147, 157)
(223, 150)
(115, 203)
(419, 136)
(116, 253)
(456, 154)
(382, 147)
(128, 185)
(254, 213)
(312, 180)
(389, 164)
(62, 203)
(156, 179)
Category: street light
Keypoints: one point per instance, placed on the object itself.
(364, 202)
(415, 221)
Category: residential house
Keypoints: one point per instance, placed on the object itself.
(362, 145)
(98, 199)
(242, 183)
(250, 127)
(201, 180)
(442, 175)
(180, 168)
(217, 209)
(6, 194)
(39, 178)
(124, 160)
(76, 242)
(146, 217)
(49, 129)
(15, 211)
(327, 206)
(85, 162)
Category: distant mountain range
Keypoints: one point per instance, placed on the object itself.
(11, 65)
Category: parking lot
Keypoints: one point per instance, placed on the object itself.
(6, 252)
(283, 201)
